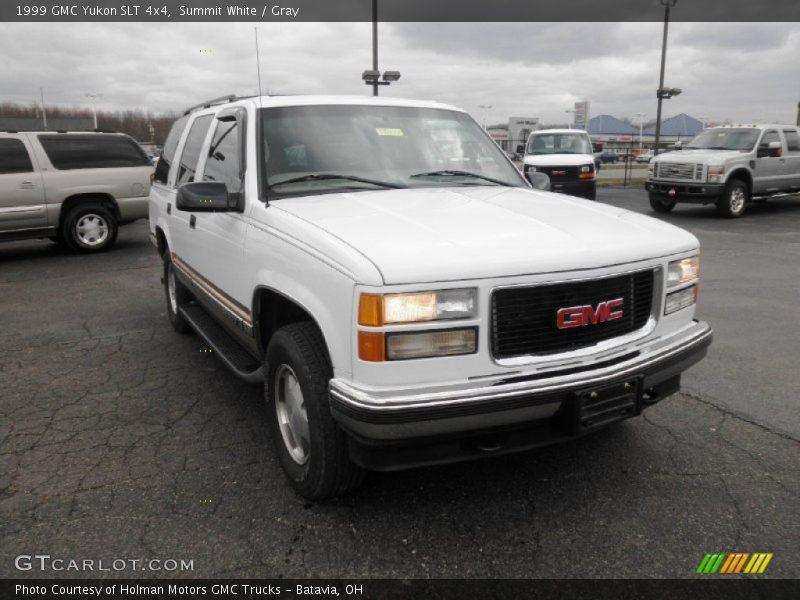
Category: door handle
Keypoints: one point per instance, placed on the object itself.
(27, 185)
(192, 221)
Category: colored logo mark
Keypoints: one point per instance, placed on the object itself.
(728, 563)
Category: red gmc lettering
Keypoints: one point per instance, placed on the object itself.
(579, 316)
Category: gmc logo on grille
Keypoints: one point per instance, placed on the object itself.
(558, 172)
(580, 316)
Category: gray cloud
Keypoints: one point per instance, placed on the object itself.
(740, 71)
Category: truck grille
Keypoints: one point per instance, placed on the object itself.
(524, 319)
(680, 171)
(559, 173)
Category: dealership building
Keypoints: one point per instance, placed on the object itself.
(606, 131)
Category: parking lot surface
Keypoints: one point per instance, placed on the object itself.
(120, 438)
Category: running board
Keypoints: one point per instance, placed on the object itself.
(224, 345)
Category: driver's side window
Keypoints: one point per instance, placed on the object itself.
(769, 137)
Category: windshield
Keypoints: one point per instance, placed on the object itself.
(726, 139)
(559, 143)
(329, 148)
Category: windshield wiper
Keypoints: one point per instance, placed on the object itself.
(326, 176)
(447, 172)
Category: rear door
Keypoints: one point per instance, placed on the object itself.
(791, 166)
(22, 199)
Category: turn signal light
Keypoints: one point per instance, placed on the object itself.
(371, 346)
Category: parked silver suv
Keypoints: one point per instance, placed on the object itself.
(728, 166)
(74, 188)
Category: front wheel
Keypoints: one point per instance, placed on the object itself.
(661, 205)
(89, 227)
(176, 295)
(311, 447)
(734, 199)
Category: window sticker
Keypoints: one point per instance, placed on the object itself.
(389, 131)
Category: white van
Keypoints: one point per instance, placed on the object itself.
(564, 155)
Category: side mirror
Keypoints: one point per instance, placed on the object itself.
(773, 149)
(520, 148)
(678, 145)
(206, 196)
(539, 180)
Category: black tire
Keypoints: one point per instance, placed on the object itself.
(734, 199)
(173, 285)
(320, 466)
(89, 227)
(660, 204)
(591, 195)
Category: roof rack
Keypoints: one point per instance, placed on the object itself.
(210, 103)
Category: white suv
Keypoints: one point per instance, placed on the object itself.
(405, 296)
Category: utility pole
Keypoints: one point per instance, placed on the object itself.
(44, 112)
(660, 93)
(798, 113)
(641, 129)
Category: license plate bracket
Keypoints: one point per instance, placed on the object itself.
(602, 405)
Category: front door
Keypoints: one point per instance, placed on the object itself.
(769, 168)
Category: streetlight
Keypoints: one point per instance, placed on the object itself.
(641, 128)
(484, 107)
(373, 76)
(94, 106)
(572, 118)
(663, 92)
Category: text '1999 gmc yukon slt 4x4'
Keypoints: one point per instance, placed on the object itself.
(728, 166)
(404, 294)
(75, 188)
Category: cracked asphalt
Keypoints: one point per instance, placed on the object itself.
(122, 439)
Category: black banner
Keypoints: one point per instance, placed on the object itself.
(398, 10)
(371, 589)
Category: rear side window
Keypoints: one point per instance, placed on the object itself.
(170, 146)
(92, 151)
(224, 163)
(191, 149)
(14, 157)
(792, 140)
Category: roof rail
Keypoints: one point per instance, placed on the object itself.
(209, 103)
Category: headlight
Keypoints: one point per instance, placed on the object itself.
(376, 310)
(586, 169)
(683, 271)
(680, 299)
(715, 174)
(651, 168)
(586, 172)
(427, 344)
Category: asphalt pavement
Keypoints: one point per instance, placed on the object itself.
(121, 439)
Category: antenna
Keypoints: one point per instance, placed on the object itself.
(258, 65)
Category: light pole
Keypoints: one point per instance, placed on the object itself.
(373, 76)
(44, 112)
(662, 93)
(641, 129)
(94, 98)
(572, 118)
(484, 107)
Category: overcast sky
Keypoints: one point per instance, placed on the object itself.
(739, 71)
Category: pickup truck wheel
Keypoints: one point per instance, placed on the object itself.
(89, 228)
(177, 295)
(311, 447)
(734, 199)
(659, 204)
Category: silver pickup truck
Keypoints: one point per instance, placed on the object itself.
(74, 188)
(728, 166)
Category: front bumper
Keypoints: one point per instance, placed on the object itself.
(678, 191)
(577, 187)
(381, 425)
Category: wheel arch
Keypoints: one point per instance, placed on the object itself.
(272, 310)
(743, 175)
(106, 200)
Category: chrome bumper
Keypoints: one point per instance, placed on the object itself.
(402, 415)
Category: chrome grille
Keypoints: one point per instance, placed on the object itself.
(679, 171)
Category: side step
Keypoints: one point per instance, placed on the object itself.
(224, 345)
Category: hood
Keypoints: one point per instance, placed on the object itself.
(692, 156)
(558, 160)
(442, 234)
